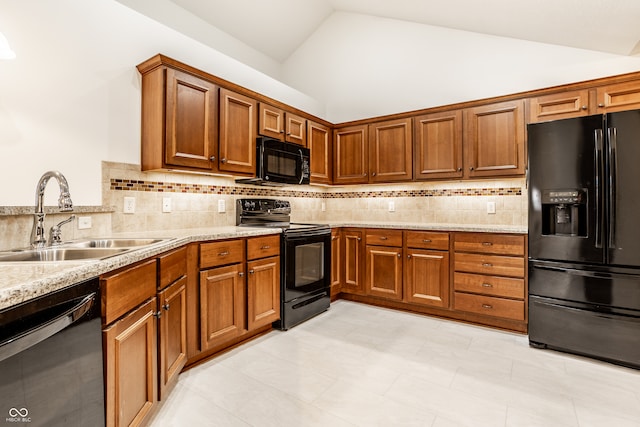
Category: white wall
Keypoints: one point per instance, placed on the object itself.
(71, 98)
(364, 66)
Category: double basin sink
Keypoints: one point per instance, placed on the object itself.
(79, 250)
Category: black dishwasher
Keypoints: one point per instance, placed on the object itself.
(51, 367)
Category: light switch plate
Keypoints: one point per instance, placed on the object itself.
(84, 222)
(129, 205)
(222, 206)
(166, 204)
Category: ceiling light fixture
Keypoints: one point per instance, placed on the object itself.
(5, 50)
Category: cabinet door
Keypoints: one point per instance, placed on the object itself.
(172, 337)
(295, 129)
(222, 305)
(438, 145)
(131, 367)
(427, 277)
(237, 133)
(384, 272)
(191, 121)
(618, 97)
(390, 151)
(351, 155)
(494, 140)
(319, 143)
(336, 260)
(559, 106)
(271, 121)
(353, 261)
(263, 292)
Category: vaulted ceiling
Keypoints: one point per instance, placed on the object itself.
(278, 27)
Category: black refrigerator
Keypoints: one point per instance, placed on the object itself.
(584, 236)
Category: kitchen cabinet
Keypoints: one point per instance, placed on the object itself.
(426, 268)
(179, 121)
(353, 261)
(172, 315)
(263, 281)
(351, 155)
(618, 97)
(390, 151)
(336, 262)
(384, 263)
(283, 125)
(237, 136)
(494, 140)
(437, 149)
(319, 142)
(557, 106)
(130, 344)
(489, 277)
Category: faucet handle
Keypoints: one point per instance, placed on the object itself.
(55, 232)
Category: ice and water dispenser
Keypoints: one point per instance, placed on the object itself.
(564, 212)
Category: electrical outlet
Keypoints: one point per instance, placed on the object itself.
(323, 207)
(84, 222)
(166, 204)
(491, 207)
(222, 206)
(392, 206)
(129, 205)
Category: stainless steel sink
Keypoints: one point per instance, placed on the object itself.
(112, 243)
(60, 254)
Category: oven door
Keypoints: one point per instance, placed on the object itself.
(306, 259)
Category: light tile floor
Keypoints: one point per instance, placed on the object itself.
(357, 365)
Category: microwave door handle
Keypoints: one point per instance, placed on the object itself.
(301, 162)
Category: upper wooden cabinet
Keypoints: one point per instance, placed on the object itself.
(618, 97)
(282, 125)
(351, 155)
(321, 152)
(559, 106)
(390, 151)
(437, 145)
(494, 140)
(237, 133)
(179, 121)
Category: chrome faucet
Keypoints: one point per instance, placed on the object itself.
(38, 238)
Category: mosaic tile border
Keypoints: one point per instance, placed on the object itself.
(172, 187)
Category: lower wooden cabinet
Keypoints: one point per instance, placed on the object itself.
(353, 261)
(172, 334)
(263, 292)
(131, 373)
(336, 261)
(427, 277)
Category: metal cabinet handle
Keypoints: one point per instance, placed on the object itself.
(166, 306)
(426, 240)
(364, 174)
(157, 314)
(373, 174)
(359, 239)
(487, 264)
(601, 105)
(384, 238)
(487, 285)
(487, 306)
(266, 247)
(223, 160)
(487, 243)
(241, 274)
(584, 107)
(225, 253)
(409, 256)
(399, 255)
(212, 158)
(252, 271)
(459, 169)
(471, 168)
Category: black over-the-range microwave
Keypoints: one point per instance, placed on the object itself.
(279, 163)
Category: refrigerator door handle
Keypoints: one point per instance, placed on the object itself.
(599, 166)
(613, 180)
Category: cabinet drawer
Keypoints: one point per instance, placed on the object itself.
(490, 264)
(214, 254)
(125, 290)
(263, 247)
(504, 244)
(173, 266)
(491, 306)
(383, 237)
(428, 240)
(489, 285)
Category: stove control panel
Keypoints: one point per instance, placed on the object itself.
(262, 211)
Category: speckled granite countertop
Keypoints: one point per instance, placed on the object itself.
(21, 281)
(485, 228)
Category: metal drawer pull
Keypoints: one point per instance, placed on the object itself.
(266, 247)
(241, 274)
(166, 306)
(487, 285)
(225, 253)
(487, 264)
(487, 244)
(426, 240)
(252, 271)
(383, 238)
(487, 306)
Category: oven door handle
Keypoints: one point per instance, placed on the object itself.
(290, 235)
(26, 339)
